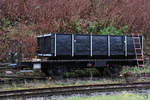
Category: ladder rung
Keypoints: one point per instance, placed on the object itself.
(136, 51)
(140, 59)
(136, 40)
(138, 48)
(140, 62)
(142, 65)
(139, 54)
(136, 37)
(137, 43)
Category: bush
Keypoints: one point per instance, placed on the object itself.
(111, 30)
(136, 70)
(6, 22)
(21, 33)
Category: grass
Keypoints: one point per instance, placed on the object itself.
(135, 70)
(71, 82)
(60, 83)
(122, 96)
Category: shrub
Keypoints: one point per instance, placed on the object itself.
(136, 70)
(6, 22)
(21, 33)
(111, 30)
(134, 14)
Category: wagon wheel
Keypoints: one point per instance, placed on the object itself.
(57, 72)
(113, 70)
(101, 71)
(45, 69)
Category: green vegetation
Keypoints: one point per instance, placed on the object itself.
(82, 72)
(6, 22)
(49, 83)
(136, 70)
(111, 30)
(93, 27)
(122, 96)
(97, 27)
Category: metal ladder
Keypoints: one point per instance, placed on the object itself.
(139, 52)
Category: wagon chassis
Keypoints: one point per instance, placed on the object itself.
(57, 68)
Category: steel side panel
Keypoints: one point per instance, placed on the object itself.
(82, 45)
(117, 45)
(64, 45)
(100, 45)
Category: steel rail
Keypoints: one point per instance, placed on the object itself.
(4, 64)
(74, 89)
(18, 79)
(22, 77)
(6, 68)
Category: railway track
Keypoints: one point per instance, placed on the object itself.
(74, 90)
(7, 68)
(21, 77)
(18, 79)
(4, 64)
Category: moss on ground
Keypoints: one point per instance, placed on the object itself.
(61, 83)
(122, 96)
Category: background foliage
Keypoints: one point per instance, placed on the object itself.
(22, 20)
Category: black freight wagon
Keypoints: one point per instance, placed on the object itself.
(77, 46)
(67, 51)
(64, 52)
